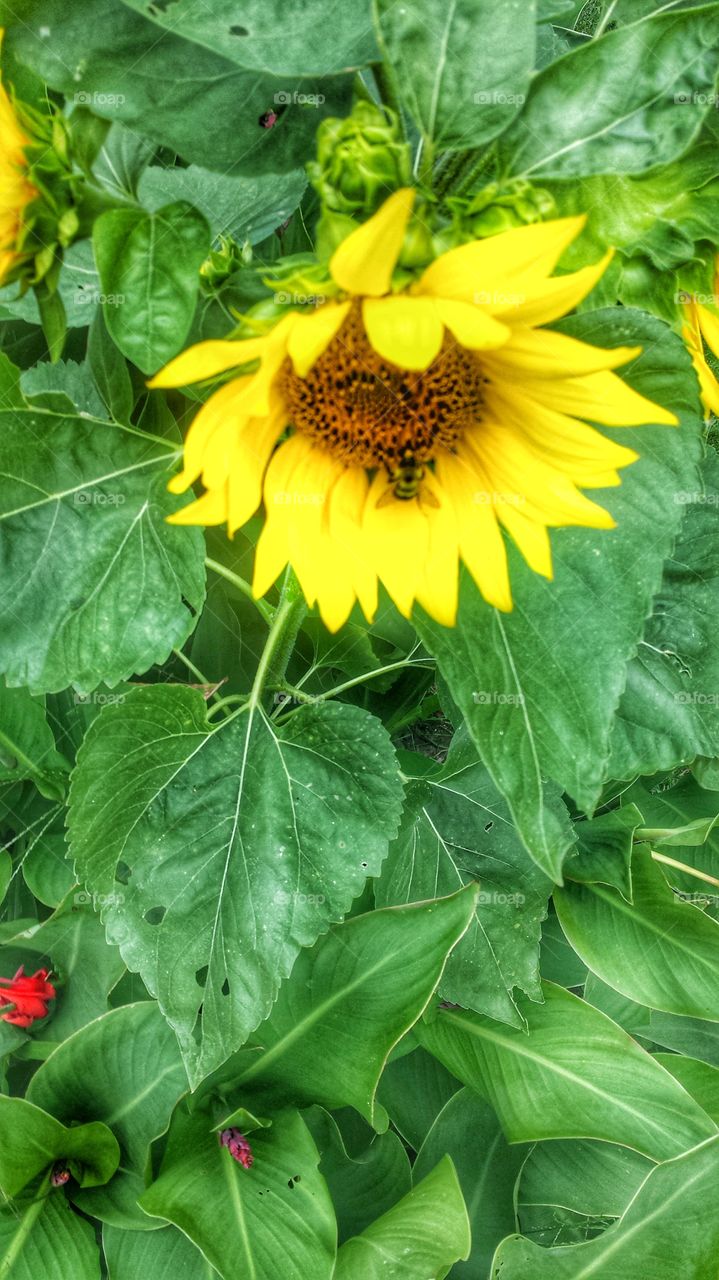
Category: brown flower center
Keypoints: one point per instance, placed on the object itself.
(370, 413)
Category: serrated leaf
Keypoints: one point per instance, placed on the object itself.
(96, 585)
(239, 845)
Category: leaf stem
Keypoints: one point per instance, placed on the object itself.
(682, 866)
(261, 606)
(277, 652)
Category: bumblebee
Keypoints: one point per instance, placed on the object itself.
(405, 481)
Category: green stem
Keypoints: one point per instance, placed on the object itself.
(280, 642)
(261, 605)
(195, 671)
(682, 866)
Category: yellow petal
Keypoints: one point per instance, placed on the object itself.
(472, 326)
(251, 452)
(397, 538)
(709, 326)
(206, 360)
(364, 262)
(531, 538)
(540, 353)
(312, 333)
(309, 486)
(601, 397)
(472, 272)
(404, 330)
(547, 301)
(211, 508)
(481, 543)
(273, 545)
(223, 406)
(346, 508)
(438, 588)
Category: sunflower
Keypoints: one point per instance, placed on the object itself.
(16, 191)
(393, 434)
(703, 327)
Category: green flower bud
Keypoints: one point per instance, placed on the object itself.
(360, 160)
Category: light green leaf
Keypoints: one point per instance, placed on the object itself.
(33, 1141)
(350, 1000)
(418, 1239)
(574, 1074)
(27, 745)
(166, 1254)
(45, 1237)
(665, 1232)
(538, 687)
(275, 1219)
(456, 828)
(96, 585)
(247, 208)
(149, 266)
(699, 1079)
(109, 371)
(468, 1130)
(622, 104)
(362, 1186)
(238, 846)
(462, 71)
(604, 851)
(125, 1070)
(570, 1191)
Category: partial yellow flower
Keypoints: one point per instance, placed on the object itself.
(16, 191)
(703, 327)
(393, 434)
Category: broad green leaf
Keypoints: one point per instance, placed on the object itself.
(570, 1191)
(349, 1000)
(468, 1130)
(658, 950)
(456, 827)
(149, 266)
(665, 1232)
(43, 382)
(109, 371)
(166, 1254)
(271, 38)
(173, 91)
(33, 1140)
(414, 1089)
(538, 687)
(275, 1219)
(692, 1036)
(45, 867)
(462, 71)
(604, 850)
(362, 1186)
(46, 1238)
(237, 846)
(418, 1239)
(96, 585)
(27, 745)
(125, 1070)
(247, 208)
(71, 943)
(681, 823)
(623, 104)
(574, 1074)
(558, 962)
(626, 1013)
(669, 711)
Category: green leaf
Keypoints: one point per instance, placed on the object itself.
(538, 687)
(273, 1219)
(272, 39)
(174, 91)
(658, 950)
(414, 1089)
(605, 847)
(574, 1074)
(691, 1036)
(96, 585)
(27, 745)
(109, 371)
(571, 1190)
(665, 1232)
(33, 1141)
(239, 846)
(361, 1186)
(456, 828)
(669, 712)
(125, 1070)
(149, 266)
(418, 1239)
(44, 1235)
(45, 384)
(463, 71)
(350, 1000)
(161, 1255)
(699, 1079)
(247, 208)
(623, 104)
(468, 1130)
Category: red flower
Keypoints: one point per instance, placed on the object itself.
(29, 996)
(238, 1147)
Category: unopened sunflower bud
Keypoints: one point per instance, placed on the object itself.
(360, 160)
(238, 1147)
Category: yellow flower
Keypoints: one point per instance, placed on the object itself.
(703, 327)
(421, 422)
(15, 190)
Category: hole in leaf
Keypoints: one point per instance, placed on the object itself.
(201, 976)
(155, 915)
(239, 31)
(225, 988)
(122, 873)
(488, 826)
